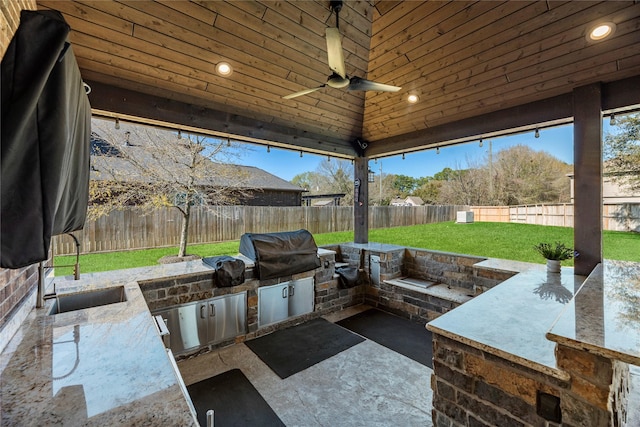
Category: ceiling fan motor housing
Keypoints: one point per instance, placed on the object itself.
(337, 81)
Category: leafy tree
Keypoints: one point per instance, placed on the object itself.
(310, 181)
(404, 184)
(147, 167)
(429, 191)
(446, 174)
(622, 152)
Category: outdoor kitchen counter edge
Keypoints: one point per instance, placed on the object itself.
(104, 365)
(511, 319)
(603, 317)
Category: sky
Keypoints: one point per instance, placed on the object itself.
(286, 164)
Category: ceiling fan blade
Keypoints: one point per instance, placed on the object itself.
(356, 83)
(303, 92)
(334, 52)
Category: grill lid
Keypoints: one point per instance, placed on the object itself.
(280, 254)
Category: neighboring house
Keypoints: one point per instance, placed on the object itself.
(613, 191)
(322, 199)
(407, 201)
(256, 186)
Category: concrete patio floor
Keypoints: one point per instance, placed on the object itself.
(365, 385)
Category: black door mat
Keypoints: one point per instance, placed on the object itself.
(234, 400)
(289, 351)
(400, 335)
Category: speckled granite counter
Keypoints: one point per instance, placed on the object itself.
(98, 366)
(604, 317)
(511, 320)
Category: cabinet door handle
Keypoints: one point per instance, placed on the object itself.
(284, 291)
(212, 311)
(202, 307)
(292, 290)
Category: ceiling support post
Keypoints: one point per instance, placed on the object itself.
(587, 159)
(361, 200)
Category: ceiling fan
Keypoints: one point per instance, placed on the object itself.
(339, 79)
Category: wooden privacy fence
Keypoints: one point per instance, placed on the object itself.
(134, 229)
(617, 217)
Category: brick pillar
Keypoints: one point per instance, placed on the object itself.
(474, 388)
(598, 390)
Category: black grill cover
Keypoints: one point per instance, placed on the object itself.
(280, 254)
(45, 131)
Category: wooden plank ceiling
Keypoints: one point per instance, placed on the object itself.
(464, 59)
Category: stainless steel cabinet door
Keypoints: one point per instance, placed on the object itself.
(185, 329)
(301, 296)
(227, 317)
(273, 304)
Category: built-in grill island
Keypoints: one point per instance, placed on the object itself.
(282, 258)
(280, 254)
(287, 280)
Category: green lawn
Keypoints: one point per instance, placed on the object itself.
(493, 240)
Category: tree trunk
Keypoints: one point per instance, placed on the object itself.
(186, 215)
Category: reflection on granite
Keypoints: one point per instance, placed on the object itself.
(552, 288)
(604, 316)
(511, 319)
(372, 246)
(98, 366)
(508, 265)
(115, 277)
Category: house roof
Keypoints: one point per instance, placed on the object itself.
(109, 157)
(480, 68)
(415, 200)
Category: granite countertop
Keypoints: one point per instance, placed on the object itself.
(103, 365)
(604, 316)
(97, 366)
(511, 319)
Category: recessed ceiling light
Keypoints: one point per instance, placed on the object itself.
(601, 31)
(224, 69)
(412, 98)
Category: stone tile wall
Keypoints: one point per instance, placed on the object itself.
(329, 297)
(598, 391)
(451, 269)
(474, 388)
(15, 284)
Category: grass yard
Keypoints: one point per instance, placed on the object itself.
(487, 239)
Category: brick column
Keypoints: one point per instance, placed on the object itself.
(598, 390)
(474, 388)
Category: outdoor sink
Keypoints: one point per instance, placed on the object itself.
(87, 299)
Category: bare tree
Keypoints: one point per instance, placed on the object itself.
(524, 176)
(148, 167)
(332, 176)
(622, 152)
(336, 176)
(517, 175)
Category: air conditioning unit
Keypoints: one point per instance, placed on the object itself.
(464, 217)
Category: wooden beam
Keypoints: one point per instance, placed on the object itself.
(150, 109)
(361, 201)
(619, 95)
(520, 118)
(587, 158)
